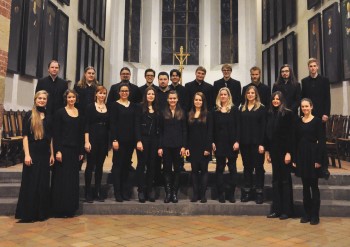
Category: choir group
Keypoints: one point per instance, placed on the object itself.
(166, 124)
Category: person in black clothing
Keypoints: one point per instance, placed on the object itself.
(86, 88)
(34, 196)
(149, 76)
(280, 142)
(162, 96)
(253, 119)
(125, 134)
(309, 161)
(287, 84)
(148, 146)
(163, 90)
(226, 141)
(68, 145)
(55, 86)
(96, 142)
(232, 84)
(200, 128)
(175, 76)
(172, 143)
(264, 90)
(199, 85)
(317, 88)
(134, 94)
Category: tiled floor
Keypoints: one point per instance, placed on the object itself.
(174, 231)
(122, 230)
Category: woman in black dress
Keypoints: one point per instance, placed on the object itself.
(86, 88)
(172, 145)
(253, 120)
(148, 146)
(34, 196)
(280, 142)
(288, 85)
(226, 142)
(310, 149)
(200, 128)
(96, 142)
(125, 134)
(68, 145)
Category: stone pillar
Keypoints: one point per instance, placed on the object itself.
(5, 16)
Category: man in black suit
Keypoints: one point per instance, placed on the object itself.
(199, 85)
(317, 88)
(232, 84)
(134, 95)
(264, 90)
(149, 76)
(175, 76)
(55, 86)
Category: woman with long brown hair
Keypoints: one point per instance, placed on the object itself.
(34, 197)
(173, 134)
(148, 146)
(200, 128)
(253, 118)
(96, 142)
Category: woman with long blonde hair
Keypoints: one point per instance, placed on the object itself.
(34, 197)
(226, 141)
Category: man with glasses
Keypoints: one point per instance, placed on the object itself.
(230, 83)
(135, 94)
(149, 76)
(175, 76)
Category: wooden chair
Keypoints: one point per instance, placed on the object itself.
(334, 131)
(11, 141)
(344, 140)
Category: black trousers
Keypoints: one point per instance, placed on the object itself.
(220, 167)
(199, 168)
(172, 161)
(121, 167)
(252, 160)
(146, 162)
(311, 197)
(282, 189)
(95, 160)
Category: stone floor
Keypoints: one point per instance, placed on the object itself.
(174, 231)
(129, 230)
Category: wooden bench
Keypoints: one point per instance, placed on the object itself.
(344, 141)
(11, 140)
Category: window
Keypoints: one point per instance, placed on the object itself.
(132, 30)
(229, 31)
(180, 27)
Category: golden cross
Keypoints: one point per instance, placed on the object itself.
(182, 58)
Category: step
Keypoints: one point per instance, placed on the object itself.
(329, 192)
(185, 179)
(329, 208)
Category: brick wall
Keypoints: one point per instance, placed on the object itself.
(3, 62)
(5, 8)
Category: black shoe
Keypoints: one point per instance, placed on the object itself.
(118, 198)
(305, 219)
(314, 221)
(232, 199)
(194, 198)
(259, 199)
(283, 217)
(142, 198)
(245, 198)
(99, 196)
(203, 200)
(273, 215)
(151, 196)
(167, 198)
(125, 196)
(174, 198)
(222, 198)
